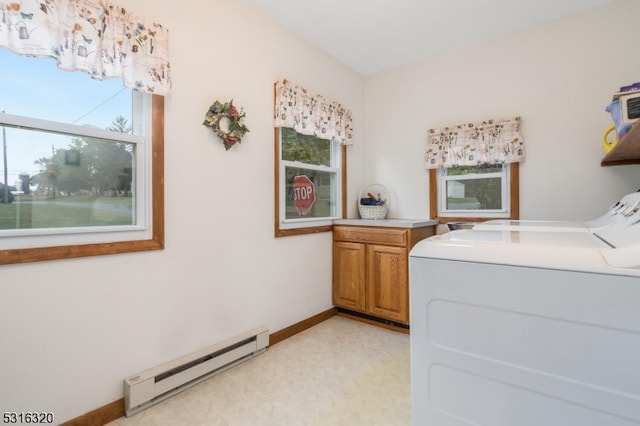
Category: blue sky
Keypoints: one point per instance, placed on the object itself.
(36, 87)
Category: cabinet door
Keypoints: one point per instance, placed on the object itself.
(387, 282)
(349, 275)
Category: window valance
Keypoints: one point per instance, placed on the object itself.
(472, 144)
(311, 114)
(93, 36)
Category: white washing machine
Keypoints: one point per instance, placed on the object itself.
(517, 328)
(612, 215)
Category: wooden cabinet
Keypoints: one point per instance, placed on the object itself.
(370, 269)
(349, 275)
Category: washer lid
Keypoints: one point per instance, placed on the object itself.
(512, 237)
(614, 215)
(569, 251)
(532, 225)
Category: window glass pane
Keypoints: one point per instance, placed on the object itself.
(76, 158)
(466, 170)
(66, 181)
(309, 182)
(323, 183)
(475, 187)
(474, 194)
(53, 180)
(35, 87)
(307, 149)
(479, 192)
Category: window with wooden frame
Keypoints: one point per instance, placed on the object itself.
(78, 186)
(474, 171)
(311, 134)
(310, 183)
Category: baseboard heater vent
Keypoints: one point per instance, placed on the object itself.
(157, 384)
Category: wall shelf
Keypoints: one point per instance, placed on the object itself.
(627, 150)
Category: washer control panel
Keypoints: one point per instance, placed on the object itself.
(625, 230)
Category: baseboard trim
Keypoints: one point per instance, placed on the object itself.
(113, 411)
(100, 416)
(296, 328)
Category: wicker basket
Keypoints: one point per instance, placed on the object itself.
(373, 201)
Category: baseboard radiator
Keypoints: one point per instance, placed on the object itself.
(157, 384)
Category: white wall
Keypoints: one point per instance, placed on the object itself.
(558, 77)
(72, 330)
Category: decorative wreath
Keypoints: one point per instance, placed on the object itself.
(226, 122)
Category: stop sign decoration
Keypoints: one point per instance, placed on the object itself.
(304, 194)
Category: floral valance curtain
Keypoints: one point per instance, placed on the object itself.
(472, 144)
(311, 114)
(93, 36)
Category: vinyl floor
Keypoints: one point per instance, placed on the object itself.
(339, 372)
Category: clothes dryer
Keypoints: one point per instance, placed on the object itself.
(527, 328)
(612, 215)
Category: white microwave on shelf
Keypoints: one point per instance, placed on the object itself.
(629, 107)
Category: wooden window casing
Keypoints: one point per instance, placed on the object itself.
(156, 242)
(278, 231)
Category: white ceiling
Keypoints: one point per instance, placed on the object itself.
(374, 35)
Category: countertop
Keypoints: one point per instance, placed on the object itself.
(391, 223)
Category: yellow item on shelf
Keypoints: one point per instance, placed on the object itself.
(607, 142)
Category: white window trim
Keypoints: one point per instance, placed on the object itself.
(141, 137)
(301, 223)
(444, 178)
